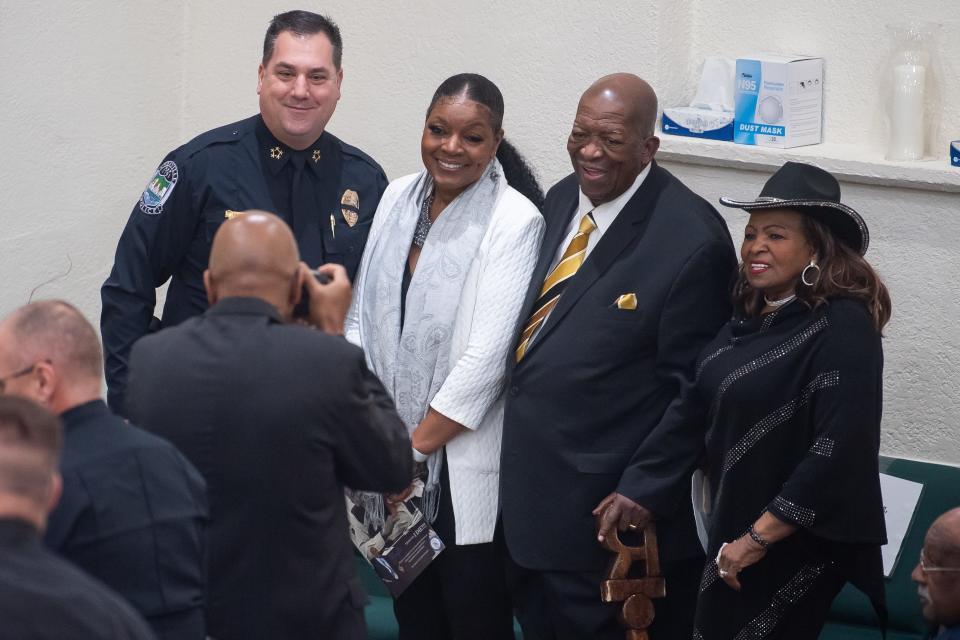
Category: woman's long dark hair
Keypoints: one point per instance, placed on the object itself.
(475, 87)
(844, 273)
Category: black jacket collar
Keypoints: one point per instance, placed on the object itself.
(245, 306)
(16, 531)
(83, 412)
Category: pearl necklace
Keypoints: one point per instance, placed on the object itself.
(778, 303)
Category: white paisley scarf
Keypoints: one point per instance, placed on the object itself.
(413, 363)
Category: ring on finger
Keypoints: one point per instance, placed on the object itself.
(632, 527)
(723, 573)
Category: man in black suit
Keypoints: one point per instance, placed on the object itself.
(133, 510)
(278, 417)
(633, 280)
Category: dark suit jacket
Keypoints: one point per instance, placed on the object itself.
(278, 418)
(132, 514)
(597, 378)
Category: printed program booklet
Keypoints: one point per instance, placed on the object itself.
(403, 547)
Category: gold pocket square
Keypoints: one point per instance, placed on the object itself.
(627, 301)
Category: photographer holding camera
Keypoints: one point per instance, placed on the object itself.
(278, 416)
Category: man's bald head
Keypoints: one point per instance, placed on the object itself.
(938, 574)
(612, 139)
(944, 534)
(253, 255)
(634, 93)
(52, 331)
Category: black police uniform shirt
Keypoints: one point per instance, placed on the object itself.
(209, 180)
(44, 597)
(133, 514)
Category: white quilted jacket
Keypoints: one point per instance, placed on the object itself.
(484, 334)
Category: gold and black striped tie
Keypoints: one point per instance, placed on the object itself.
(556, 281)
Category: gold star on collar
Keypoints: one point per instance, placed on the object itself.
(276, 153)
(316, 155)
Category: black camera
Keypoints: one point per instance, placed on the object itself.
(302, 310)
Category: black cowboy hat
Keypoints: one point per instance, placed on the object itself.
(813, 192)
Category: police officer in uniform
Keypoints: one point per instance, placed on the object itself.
(281, 160)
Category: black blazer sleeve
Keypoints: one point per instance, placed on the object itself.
(372, 450)
(658, 474)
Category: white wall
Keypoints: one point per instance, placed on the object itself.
(95, 93)
(90, 101)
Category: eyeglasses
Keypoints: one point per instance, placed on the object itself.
(931, 569)
(22, 372)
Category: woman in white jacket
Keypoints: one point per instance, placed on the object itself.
(436, 306)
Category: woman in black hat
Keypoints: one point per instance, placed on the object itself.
(790, 395)
(794, 385)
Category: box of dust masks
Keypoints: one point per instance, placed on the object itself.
(778, 101)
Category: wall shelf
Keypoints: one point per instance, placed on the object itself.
(849, 163)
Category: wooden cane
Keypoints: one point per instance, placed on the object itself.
(637, 593)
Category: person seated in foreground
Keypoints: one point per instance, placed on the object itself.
(133, 509)
(42, 596)
(937, 575)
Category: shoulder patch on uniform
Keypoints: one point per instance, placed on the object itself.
(159, 188)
